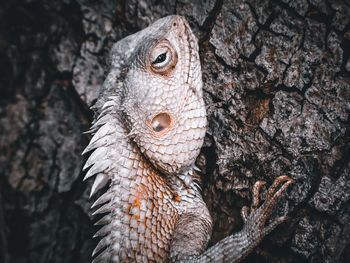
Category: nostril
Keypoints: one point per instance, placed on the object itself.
(160, 122)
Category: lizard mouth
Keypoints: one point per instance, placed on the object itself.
(161, 123)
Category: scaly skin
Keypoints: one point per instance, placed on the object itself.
(150, 127)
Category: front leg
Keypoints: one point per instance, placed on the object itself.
(235, 247)
(191, 234)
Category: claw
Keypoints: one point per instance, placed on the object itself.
(276, 183)
(273, 196)
(256, 192)
(254, 221)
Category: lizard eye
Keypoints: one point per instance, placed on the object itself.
(161, 61)
(163, 57)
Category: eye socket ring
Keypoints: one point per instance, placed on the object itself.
(163, 57)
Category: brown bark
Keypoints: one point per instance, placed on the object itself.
(276, 84)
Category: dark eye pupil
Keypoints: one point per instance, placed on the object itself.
(161, 58)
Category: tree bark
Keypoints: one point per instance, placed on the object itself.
(277, 88)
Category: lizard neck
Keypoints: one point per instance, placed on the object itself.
(142, 209)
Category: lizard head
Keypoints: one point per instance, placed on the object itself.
(161, 93)
(162, 96)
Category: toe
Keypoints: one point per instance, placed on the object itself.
(256, 192)
(274, 195)
(279, 180)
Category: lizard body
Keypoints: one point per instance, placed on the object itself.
(150, 127)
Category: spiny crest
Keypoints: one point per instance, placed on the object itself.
(103, 157)
(106, 147)
(105, 202)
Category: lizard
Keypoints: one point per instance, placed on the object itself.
(149, 128)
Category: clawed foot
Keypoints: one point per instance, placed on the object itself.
(235, 247)
(255, 219)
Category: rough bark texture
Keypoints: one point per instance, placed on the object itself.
(276, 83)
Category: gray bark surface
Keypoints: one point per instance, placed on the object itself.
(277, 89)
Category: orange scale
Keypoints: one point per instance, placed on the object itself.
(146, 243)
(156, 181)
(135, 164)
(166, 228)
(142, 216)
(143, 180)
(148, 225)
(134, 245)
(138, 258)
(160, 210)
(139, 171)
(168, 236)
(149, 253)
(160, 195)
(161, 243)
(141, 239)
(162, 253)
(158, 258)
(128, 163)
(159, 235)
(164, 222)
(131, 200)
(148, 233)
(159, 219)
(148, 214)
(132, 185)
(154, 214)
(154, 238)
(160, 201)
(141, 229)
(162, 231)
(154, 221)
(155, 248)
(133, 222)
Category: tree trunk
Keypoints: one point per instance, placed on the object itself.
(277, 89)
